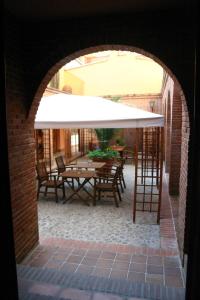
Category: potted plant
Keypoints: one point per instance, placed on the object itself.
(104, 153)
(107, 155)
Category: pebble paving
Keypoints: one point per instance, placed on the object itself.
(101, 223)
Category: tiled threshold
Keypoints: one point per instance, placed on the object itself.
(37, 282)
(140, 264)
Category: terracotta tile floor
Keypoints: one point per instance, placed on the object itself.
(140, 264)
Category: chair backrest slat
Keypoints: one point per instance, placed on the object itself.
(42, 173)
(116, 176)
(111, 174)
(60, 164)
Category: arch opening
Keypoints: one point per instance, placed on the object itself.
(175, 84)
(100, 48)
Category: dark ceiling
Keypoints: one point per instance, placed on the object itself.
(58, 9)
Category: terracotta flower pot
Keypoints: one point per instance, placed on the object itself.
(109, 161)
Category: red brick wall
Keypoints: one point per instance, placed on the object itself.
(35, 51)
(167, 138)
(22, 176)
(176, 126)
(21, 147)
(176, 147)
(184, 174)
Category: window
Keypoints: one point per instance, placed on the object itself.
(74, 141)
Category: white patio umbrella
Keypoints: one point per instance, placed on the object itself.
(72, 111)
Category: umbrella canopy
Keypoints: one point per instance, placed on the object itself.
(72, 111)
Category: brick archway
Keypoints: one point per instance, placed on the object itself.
(183, 169)
(22, 144)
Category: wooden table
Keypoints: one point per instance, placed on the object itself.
(87, 165)
(78, 174)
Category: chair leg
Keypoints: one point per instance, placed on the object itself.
(115, 198)
(99, 194)
(63, 188)
(120, 182)
(94, 197)
(118, 192)
(56, 193)
(123, 181)
(45, 192)
(38, 192)
(73, 183)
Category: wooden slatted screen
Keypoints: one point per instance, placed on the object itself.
(148, 171)
(90, 140)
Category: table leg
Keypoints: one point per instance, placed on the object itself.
(75, 192)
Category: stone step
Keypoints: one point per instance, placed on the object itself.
(45, 291)
(120, 287)
(38, 297)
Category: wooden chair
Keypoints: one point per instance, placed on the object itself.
(48, 181)
(61, 166)
(119, 162)
(121, 181)
(128, 155)
(107, 182)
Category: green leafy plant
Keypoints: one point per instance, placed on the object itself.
(103, 154)
(104, 136)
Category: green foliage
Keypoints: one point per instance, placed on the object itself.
(104, 135)
(103, 154)
(119, 141)
(115, 98)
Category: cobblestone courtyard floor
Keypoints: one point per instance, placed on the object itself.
(102, 223)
